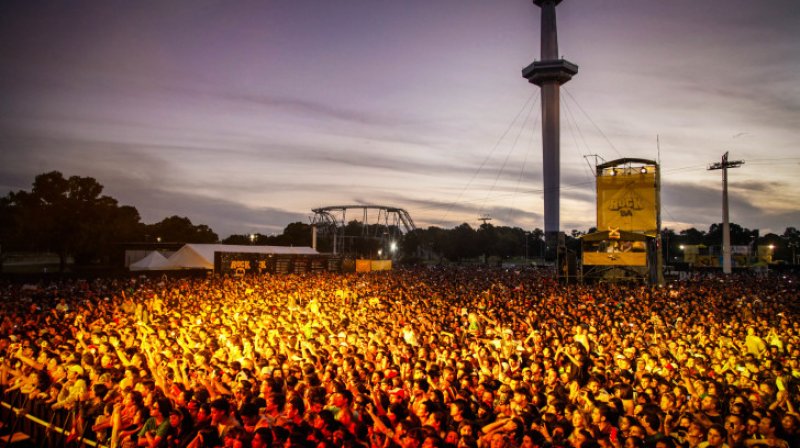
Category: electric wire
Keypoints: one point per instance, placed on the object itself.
(572, 122)
(508, 155)
(512, 211)
(569, 95)
(486, 159)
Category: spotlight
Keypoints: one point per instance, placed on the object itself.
(643, 170)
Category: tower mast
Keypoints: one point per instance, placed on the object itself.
(549, 73)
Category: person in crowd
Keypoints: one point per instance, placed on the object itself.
(409, 357)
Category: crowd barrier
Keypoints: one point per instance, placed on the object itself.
(36, 419)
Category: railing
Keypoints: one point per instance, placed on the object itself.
(46, 427)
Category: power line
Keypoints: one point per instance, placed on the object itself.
(592, 121)
(508, 154)
(512, 211)
(483, 163)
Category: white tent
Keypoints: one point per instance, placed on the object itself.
(153, 261)
(201, 256)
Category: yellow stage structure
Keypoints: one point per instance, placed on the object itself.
(626, 244)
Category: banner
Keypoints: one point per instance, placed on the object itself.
(615, 259)
(373, 265)
(381, 265)
(363, 265)
(627, 201)
(243, 263)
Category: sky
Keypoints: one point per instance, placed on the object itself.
(246, 115)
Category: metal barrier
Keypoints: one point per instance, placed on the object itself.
(29, 416)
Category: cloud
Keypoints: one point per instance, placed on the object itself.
(138, 179)
(688, 204)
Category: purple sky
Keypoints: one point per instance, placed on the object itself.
(245, 115)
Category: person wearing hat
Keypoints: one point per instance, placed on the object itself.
(73, 389)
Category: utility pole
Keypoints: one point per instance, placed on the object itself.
(484, 219)
(726, 231)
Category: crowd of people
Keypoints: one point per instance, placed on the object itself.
(433, 358)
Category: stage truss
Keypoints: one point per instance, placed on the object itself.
(381, 228)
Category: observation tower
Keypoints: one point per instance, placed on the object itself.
(549, 74)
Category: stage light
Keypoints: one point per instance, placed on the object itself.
(643, 170)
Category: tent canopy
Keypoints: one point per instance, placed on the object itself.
(201, 256)
(153, 261)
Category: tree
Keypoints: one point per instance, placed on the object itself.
(792, 237)
(692, 236)
(671, 243)
(297, 234)
(573, 242)
(67, 216)
(413, 244)
(537, 243)
(740, 236)
(436, 239)
(180, 229)
(485, 239)
(510, 242)
(241, 239)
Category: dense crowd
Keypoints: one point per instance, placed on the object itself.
(429, 358)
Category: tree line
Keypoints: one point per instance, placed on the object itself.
(73, 219)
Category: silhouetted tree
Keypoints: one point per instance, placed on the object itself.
(437, 239)
(670, 243)
(181, 230)
(740, 236)
(67, 216)
(536, 239)
(461, 243)
(692, 236)
(242, 239)
(297, 234)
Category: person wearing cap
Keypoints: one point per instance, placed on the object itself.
(397, 396)
(73, 390)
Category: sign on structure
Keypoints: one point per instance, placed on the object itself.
(627, 196)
